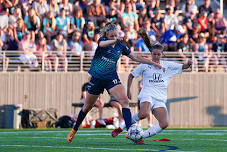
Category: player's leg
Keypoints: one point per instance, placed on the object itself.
(149, 124)
(88, 104)
(93, 93)
(119, 93)
(117, 105)
(99, 104)
(161, 115)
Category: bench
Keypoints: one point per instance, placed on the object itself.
(79, 105)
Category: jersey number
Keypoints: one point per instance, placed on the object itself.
(115, 81)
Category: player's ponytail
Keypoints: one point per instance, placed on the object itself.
(107, 28)
(150, 43)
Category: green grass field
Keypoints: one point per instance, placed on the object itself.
(99, 140)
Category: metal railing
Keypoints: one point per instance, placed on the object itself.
(10, 61)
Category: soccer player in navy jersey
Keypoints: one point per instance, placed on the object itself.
(104, 74)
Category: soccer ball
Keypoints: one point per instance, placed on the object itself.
(135, 132)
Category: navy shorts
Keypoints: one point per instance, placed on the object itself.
(97, 86)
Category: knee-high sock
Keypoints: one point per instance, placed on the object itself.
(135, 118)
(79, 120)
(152, 131)
(127, 117)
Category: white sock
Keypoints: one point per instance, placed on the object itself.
(135, 118)
(152, 131)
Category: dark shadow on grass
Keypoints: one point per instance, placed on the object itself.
(219, 118)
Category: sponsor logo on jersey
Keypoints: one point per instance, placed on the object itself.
(108, 60)
(157, 77)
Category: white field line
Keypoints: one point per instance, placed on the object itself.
(98, 131)
(186, 139)
(71, 147)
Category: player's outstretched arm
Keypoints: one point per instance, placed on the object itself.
(109, 42)
(129, 83)
(137, 57)
(187, 65)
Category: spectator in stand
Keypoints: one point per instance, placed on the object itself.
(63, 23)
(32, 21)
(16, 15)
(28, 48)
(132, 32)
(189, 7)
(49, 26)
(175, 7)
(59, 53)
(157, 23)
(110, 4)
(151, 8)
(203, 22)
(113, 15)
(206, 8)
(194, 36)
(142, 16)
(75, 47)
(20, 30)
(129, 17)
(4, 19)
(67, 6)
(77, 21)
(220, 46)
(212, 60)
(140, 4)
(124, 64)
(95, 43)
(41, 8)
(171, 37)
(96, 12)
(189, 20)
(10, 42)
(184, 47)
(202, 53)
(124, 3)
(219, 22)
(1, 53)
(42, 53)
(170, 19)
(54, 8)
(88, 35)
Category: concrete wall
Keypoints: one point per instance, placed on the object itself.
(195, 99)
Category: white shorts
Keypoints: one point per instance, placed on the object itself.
(155, 103)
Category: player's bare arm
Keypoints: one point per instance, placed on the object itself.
(129, 83)
(109, 42)
(137, 57)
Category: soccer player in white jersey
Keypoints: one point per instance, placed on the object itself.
(153, 95)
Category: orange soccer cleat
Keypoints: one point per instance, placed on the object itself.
(71, 135)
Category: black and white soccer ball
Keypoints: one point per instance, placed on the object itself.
(135, 132)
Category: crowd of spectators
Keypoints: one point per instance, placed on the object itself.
(56, 31)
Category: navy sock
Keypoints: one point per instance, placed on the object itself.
(127, 117)
(79, 120)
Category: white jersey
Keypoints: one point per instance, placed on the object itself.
(155, 80)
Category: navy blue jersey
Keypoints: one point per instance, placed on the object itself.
(104, 63)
